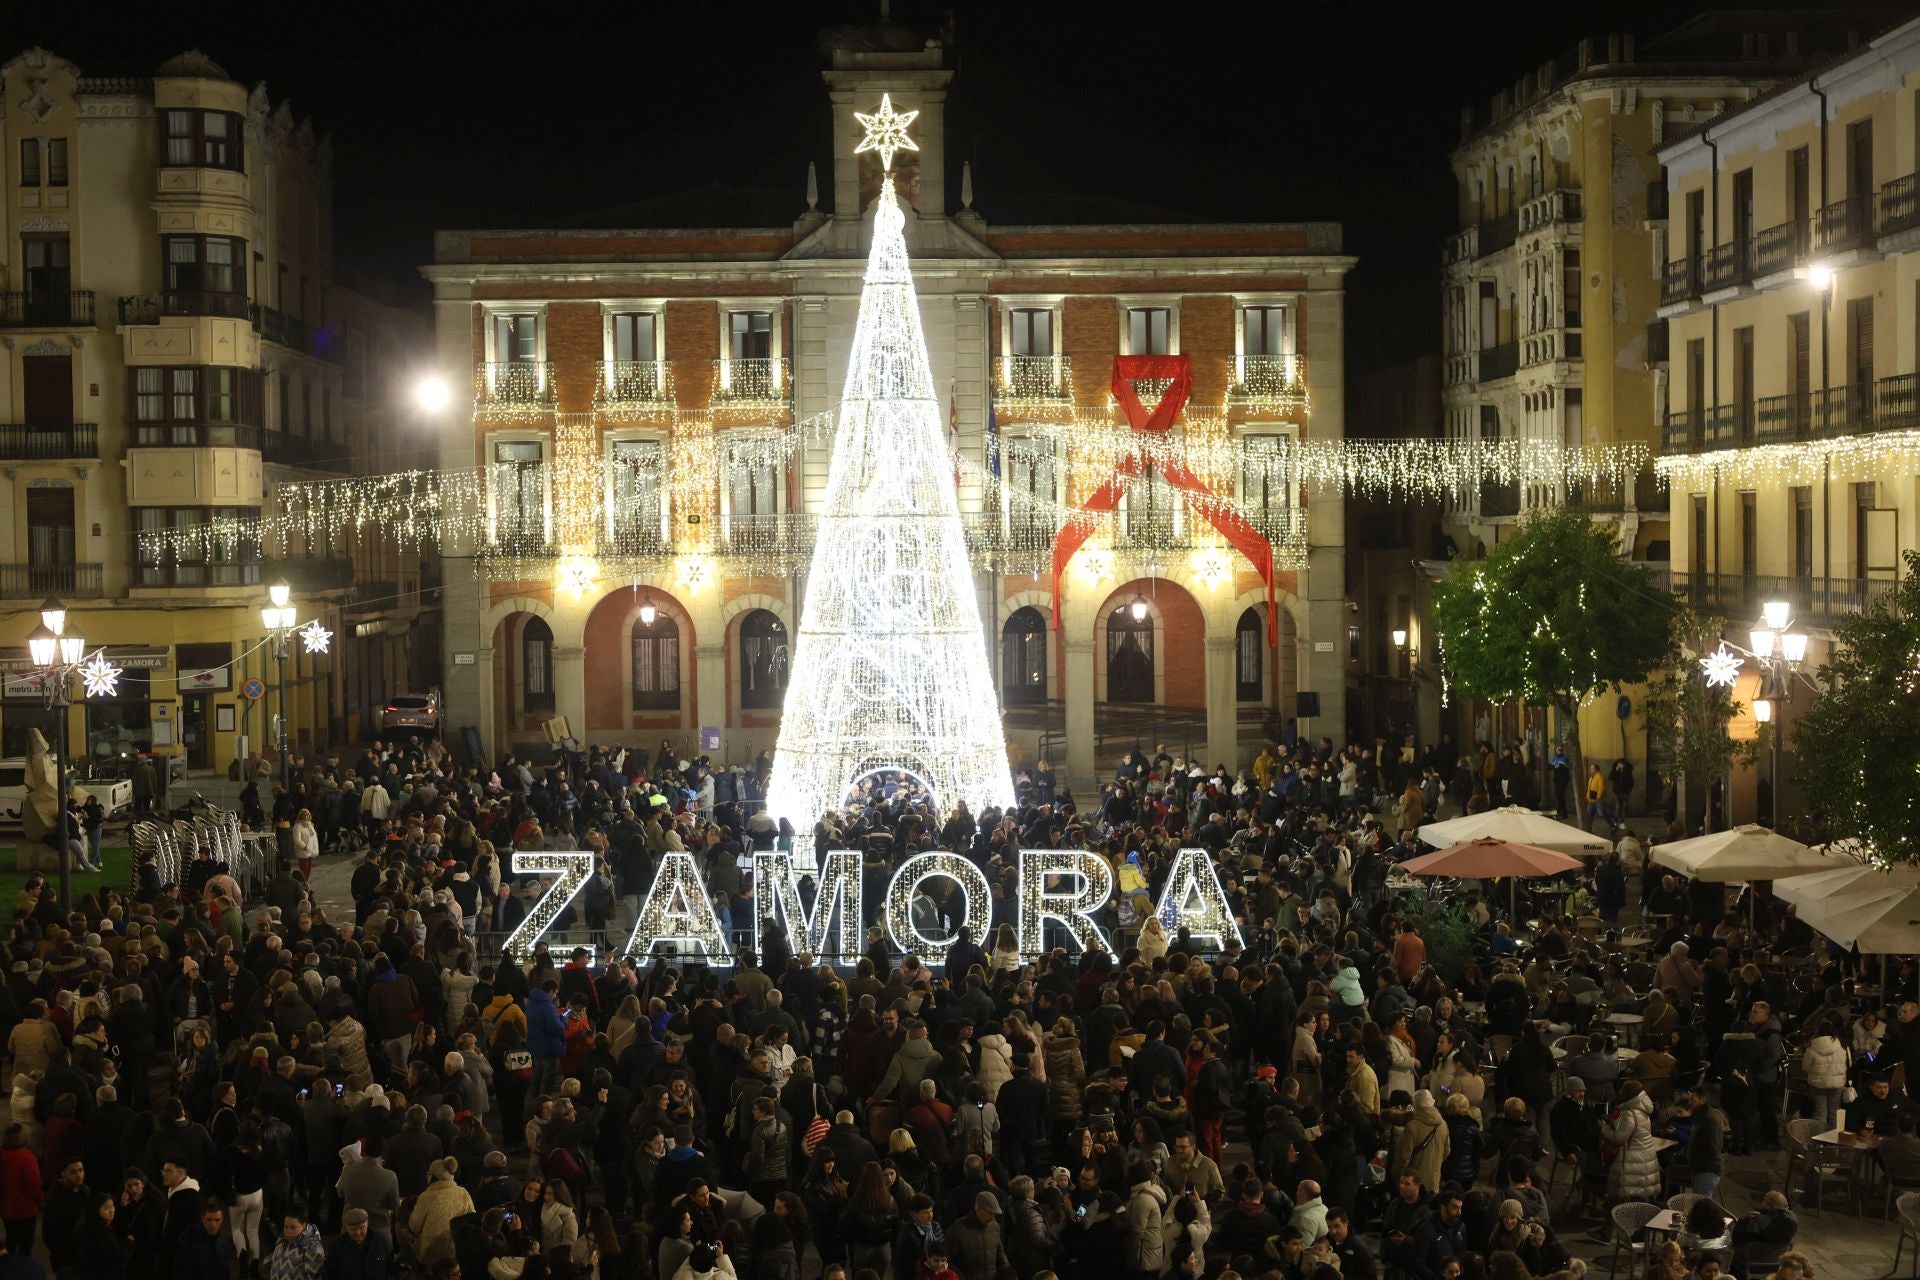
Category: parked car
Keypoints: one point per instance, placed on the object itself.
(411, 713)
(116, 794)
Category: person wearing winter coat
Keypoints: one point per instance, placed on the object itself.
(975, 1247)
(1825, 1062)
(299, 1254)
(349, 1039)
(1145, 1250)
(1462, 1162)
(1032, 1241)
(1420, 1147)
(1635, 1172)
(996, 1063)
(1152, 942)
(435, 1209)
(1066, 1075)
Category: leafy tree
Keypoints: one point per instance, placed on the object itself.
(1859, 743)
(1692, 714)
(1553, 615)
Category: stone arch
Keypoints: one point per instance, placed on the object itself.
(607, 638)
(1179, 626)
(1282, 660)
(732, 614)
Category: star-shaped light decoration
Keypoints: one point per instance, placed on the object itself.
(102, 677)
(315, 637)
(886, 131)
(693, 573)
(578, 574)
(1213, 565)
(1096, 565)
(1722, 667)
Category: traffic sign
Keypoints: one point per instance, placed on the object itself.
(255, 687)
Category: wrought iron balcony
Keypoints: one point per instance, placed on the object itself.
(39, 309)
(1900, 205)
(1844, 224)
(1680, 432)
(634, 388)
(195, 435)
(1726, 267)
(1728, 426)
(199, 573)
(68, 581)
(513, 388)
(1033, 382)
(764, 382)
(1276, 383)
(34, 443)
(1783, 419)
(1780, 248)
(1819, 600)
(279, 327)
(1680, 281)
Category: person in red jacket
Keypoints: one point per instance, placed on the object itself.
(21, 1191)
(578, 1036)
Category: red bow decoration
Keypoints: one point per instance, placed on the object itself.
(1232, 526)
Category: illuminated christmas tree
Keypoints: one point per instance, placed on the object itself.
(890, 664)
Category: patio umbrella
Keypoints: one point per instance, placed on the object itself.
(1861, 906)
(1744, 853)
(1523, 826)
(1487, 857)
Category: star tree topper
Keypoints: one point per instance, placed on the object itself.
(1721, 667)
(886, 131)
(102, 677)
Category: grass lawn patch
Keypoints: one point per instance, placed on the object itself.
(118, 875)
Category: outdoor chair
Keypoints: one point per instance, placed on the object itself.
(1589, 926)
(1836, 1165)
(1909, 1230)
(1761, 1259)
(1796, 1136)
(1683, 1202)
(1572, 1045)
(1902, 1174)
(1629, 1220)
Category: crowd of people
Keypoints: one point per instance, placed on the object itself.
(1365, 1086)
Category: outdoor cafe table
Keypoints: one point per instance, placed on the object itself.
(1626, 1023)
(1634, 944)
(1672, 1221)
(1858, 1152)
(1621, 1053)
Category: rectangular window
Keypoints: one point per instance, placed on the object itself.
(223, 395)
(516, 337)
(1803, 531)
(750, 335)
(1266, 479)
(753, 486)
(1742, 209)
(634, 334)
(56, 162)
(1749, 533)
(1570, 288)
(203, 139)
(223, 559)
(1029, 465)
(1489, 422)
(520, 505)
(149, 395)
(183, 393)
(638, 512)
(202, 278)
(1866, 496)
(1031, 331)
(1800, 191)
(1860, 160)
(29, 162)
(1148, 330)
(1263, 331)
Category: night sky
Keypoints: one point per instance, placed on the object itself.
(1268, 112)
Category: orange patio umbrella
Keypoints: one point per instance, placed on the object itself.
(1488, 857)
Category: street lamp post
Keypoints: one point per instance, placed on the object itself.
(56, 656)
(1780, 649)
(279, 617)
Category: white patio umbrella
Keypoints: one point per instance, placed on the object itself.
(1859, 905)
(1745, 853)
(1521, 826)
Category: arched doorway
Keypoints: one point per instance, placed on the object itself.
(1130, 655)
(1023, 658)
(764, 656)
(1249, 657)
(536, 666)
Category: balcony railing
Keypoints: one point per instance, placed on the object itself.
(42, 310)
(1844, 224)
(752, 383)
(301, 451)
(1269, 382)
(513, 388)
(316, 573)
(1499, 500)
(1033, 382)
(1502, 361)
(1726, 267)
(1725, 426)
(68, 581)
(1900, 205)
(1461, 246)
(1680, 281)
(279, 327)
(1657, 342)
(195, 435)
(1680, 432)
(1544, 210)
(1499, 233)
(1550, 345)
(1889, 404)
(634, 386)
(1821, 600)
(200, 573)
(36, 443)
(1780, 248)
(1783, 419)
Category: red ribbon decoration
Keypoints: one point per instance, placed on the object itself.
(1232, 526)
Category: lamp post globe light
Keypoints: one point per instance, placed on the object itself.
(280, 618)
(1780, 649)
(57, 657)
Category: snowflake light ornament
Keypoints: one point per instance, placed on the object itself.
(1721, 667)
(1213, 566)
(315, 637)
(886, 131)
(692, 573)
(102, 677)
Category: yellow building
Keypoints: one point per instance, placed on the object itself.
(1790, 291)
(1552, 331)
(173, 346)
